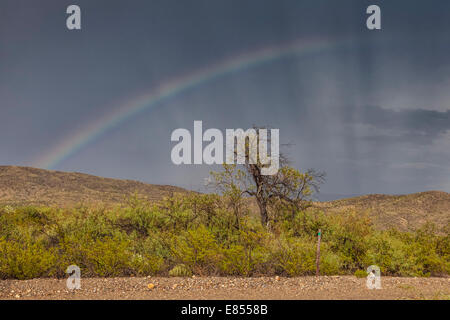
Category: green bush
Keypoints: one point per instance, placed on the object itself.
(146, 264)
(348, 235)
(295, 257)
(180, 270)
(197, 249)
(202, 234)
(106, 257)
(245, 261)
(330, 263)
(26, 260)
(361, 274)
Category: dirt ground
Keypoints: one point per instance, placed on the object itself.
(334, 287)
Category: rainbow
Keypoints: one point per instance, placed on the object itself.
(150, 100)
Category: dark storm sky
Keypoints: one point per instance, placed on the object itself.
(374, 114)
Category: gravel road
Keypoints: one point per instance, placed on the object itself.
(334, 287)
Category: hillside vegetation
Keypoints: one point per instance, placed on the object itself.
(196, 234)
(30, 186)
(187, 233)
(404, 212)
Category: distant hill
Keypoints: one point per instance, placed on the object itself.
(24, 185)
(405, 212)
(323, 197)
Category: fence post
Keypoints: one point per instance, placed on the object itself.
(319, 236)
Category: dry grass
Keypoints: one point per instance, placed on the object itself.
(30, 186)
(404, 212)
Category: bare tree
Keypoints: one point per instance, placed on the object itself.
(288, 186)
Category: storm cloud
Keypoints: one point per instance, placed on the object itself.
(414, 126)
(371, 108)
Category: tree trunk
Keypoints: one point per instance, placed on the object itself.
(263, 212)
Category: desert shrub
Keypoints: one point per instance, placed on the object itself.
(197, 249)
(225, 229)
(295, 257)
(430, 250)
(201, 234)
(348, 236)
(180, 270)
(330, 263)
(18, 223)
(7, 209)
(303, 223)
(392, 254)
(380, 253)
(146, 264)
(403, 259)
(141, 221)
(234, 261)
(244, 261)
(361, 274)
(408, 254)
(250, 252)
(149, 255)
(26, 259)
(203, 206)
(106, 257)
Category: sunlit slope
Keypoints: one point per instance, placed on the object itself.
(24, 185)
